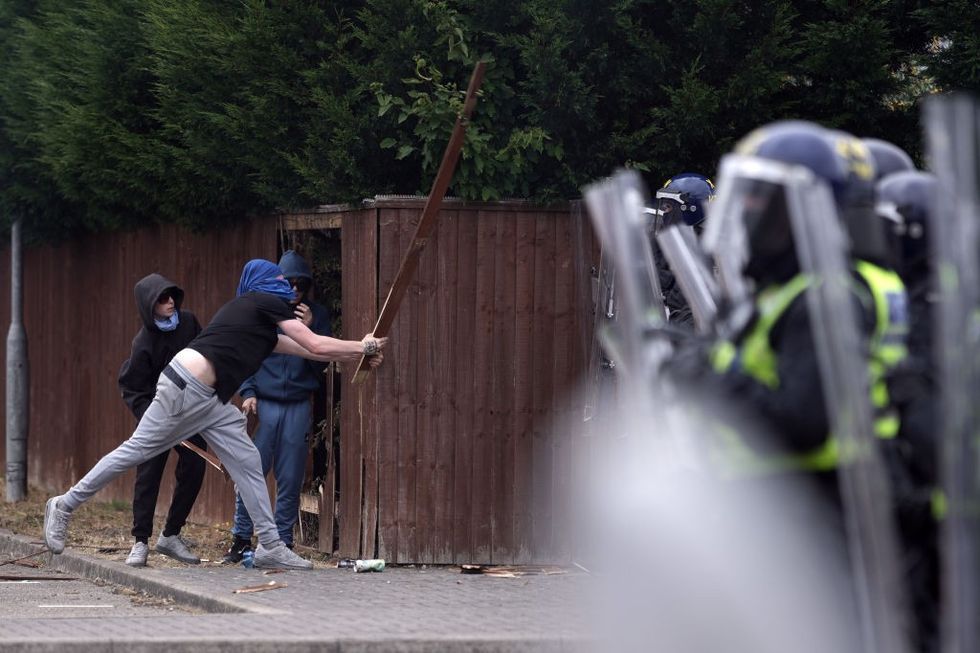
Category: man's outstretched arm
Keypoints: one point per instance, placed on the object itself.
(298, 340)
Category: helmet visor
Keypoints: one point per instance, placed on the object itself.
(678, 208)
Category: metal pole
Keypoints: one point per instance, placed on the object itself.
(18, 371)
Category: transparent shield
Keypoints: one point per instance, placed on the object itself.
(821, 252)
(951, 125)
(726, 241)
(679, 245)
(600, 383)
(617, 208)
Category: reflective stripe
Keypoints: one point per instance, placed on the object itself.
(758, 360)
(887, 426)
(722, 356)
(757, 356)
(939, 504)
(737, 459)
(887, 346)
(891, 313)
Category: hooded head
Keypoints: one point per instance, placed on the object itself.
(149, 290)
(260, 275)
(297, 273)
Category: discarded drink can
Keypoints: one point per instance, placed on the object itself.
(369, 565)
(248, 559)
(345, 562)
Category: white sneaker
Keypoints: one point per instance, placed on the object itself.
(137, 557)
(174, 547)
(55, 525)
(279, 556)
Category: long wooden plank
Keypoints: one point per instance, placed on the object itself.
(429, 214)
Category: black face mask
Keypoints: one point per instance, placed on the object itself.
(772, 254)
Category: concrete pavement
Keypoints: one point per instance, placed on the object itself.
(401, 609)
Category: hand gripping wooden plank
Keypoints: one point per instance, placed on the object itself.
(428, 220)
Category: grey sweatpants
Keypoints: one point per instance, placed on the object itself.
(174, 413)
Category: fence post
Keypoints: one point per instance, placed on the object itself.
(18, 371)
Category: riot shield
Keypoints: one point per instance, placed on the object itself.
(680, 247)
(724, 239)
(601, 368)
(820, 246)
(951, 125)
(616, 206)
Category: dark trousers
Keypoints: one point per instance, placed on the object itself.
(189, 476)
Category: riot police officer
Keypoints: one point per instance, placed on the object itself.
(681, 201)
(772, 366)
(908, 199)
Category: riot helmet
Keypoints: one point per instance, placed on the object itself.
(843, 162)
(888, 157)
(907, 199)
(753, 183)
(870, 236)
(684, 199)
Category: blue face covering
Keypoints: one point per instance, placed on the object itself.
(259, 275)
(169, 324)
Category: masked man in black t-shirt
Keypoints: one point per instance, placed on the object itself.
(192, 397)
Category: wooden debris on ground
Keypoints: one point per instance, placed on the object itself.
(33, 564)
(271, 585)
(512, 572)
(19, 577)
(23, 560)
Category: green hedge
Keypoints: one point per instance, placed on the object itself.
(114, 113)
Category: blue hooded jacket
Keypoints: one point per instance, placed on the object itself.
(283, 377)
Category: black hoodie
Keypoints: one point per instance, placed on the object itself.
(153, 348)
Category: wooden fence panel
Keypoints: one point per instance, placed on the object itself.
(445, 361)
(359, 307)
(481, 533)
(464, 378)
(476, 404)
(524, 381)
(502, 405)
(425, 345)
(368, 397)
(407, 326)
(388, 380)
(80, 317)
